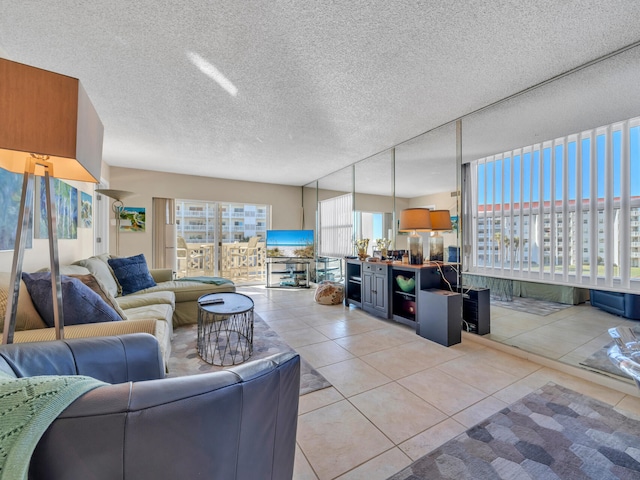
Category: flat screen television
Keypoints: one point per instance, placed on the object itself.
(289, 244)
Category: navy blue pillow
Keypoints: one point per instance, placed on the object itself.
(132, 273)
(80, 304)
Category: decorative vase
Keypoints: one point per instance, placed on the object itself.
(362, 245)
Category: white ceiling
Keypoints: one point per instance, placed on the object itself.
(320, 85)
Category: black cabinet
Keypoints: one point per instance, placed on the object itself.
(375, 288)
(405, 282)
(441, 318)
(476, 310)
(353, 283)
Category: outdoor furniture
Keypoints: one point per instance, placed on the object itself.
(191, 260)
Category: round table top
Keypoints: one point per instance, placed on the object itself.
(233, 303)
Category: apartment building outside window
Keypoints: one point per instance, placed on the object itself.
(528, 204)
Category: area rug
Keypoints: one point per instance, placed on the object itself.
(553, 433)
(530, 305)
(600, 362)
(185, 360)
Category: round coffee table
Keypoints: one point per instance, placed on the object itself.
(225, 329)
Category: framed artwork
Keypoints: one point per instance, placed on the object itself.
(10, 195)
(454, 223)
(132, 219)
(66, 199)
(86, 210)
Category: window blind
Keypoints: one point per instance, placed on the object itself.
(336, 226)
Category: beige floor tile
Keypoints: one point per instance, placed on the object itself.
(410, 358)
(379, 468)
(599, 392)
(302, 336)
(446, 393)
(397, 412)
(287, 324)
(432, 438)
(278, 314)
(479, 411)
(630, 406)
(514, 392)
(352, 326)
(301, 468)
(318, 399)
(337, 438)
(353, 376)
(373, 341)
(323, 354)
(478, 374)
(502, 361)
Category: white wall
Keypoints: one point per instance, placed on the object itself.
(286, 201)
(68, 250)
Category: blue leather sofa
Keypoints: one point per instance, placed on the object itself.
(624, 304)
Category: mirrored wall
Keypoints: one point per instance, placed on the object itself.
(592, 111)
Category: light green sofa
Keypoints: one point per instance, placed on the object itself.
(155, 310)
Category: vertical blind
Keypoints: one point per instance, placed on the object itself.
(562, 211)
(336, 226)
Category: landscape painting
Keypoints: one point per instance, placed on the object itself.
(86, 210)
(10, 195)
(132, 219)
(66, 199)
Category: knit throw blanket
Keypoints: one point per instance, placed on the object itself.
(27, 407)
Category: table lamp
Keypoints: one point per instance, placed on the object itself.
(48, 127)
(440, 222)
(415, 220)
(117, 207)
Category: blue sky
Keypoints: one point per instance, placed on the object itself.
(499, 170)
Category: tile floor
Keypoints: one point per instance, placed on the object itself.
(396, 396)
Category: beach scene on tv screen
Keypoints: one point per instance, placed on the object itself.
(290, 243)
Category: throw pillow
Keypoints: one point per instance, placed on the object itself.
(97, 286)
(80, 304)
(132, 273)
(99, 267)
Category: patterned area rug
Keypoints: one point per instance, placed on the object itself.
(600, 362)
(185, 360)
(530, 305)
(553, 433)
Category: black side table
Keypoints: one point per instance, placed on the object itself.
(225, 330)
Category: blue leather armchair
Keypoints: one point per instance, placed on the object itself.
(234, 424)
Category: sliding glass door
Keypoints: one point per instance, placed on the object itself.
(222, 239)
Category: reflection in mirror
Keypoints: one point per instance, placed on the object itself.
(309, 206)
(335, 214)
(554, 205)
(373, 215)
(425, 176)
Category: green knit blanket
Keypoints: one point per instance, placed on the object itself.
(27, 407)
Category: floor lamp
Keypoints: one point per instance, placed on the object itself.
(48, 127)
(117, 207)
(415, 220)
(440, 222)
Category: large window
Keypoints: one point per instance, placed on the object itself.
(565, 210)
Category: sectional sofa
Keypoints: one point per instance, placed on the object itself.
(155, 310)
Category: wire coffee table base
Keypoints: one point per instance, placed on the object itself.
(225, 331)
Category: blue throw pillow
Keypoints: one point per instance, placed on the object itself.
(80, 304)
(132, 273)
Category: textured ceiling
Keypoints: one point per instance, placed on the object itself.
(289, 91)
